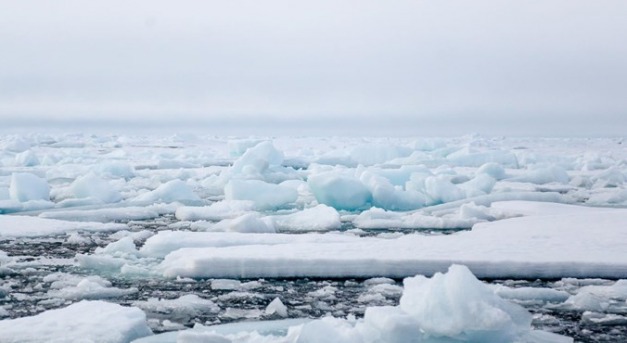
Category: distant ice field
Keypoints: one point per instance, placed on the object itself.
(192, 229)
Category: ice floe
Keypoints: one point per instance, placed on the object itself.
(85, 321)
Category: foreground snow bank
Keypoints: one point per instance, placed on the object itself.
(451, 307)
(584, 244)
(85, 321)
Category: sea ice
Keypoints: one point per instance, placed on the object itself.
(171, 191)
(85, 321)
(318, 218)
(26, 187)
(339, 191)
(246, 223)
(91, 288)
(217, 211)
(165, 242)
(276, 307)
(25, 226)
(188, 305)
(112, 214)
(524, 247)
(450, 307)
(92, 186)
(265, 196)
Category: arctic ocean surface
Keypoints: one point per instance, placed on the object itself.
(196, 238)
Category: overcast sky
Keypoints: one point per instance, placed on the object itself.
(409, 67)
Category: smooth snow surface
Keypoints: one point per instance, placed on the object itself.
(526, 247)
(85, 321)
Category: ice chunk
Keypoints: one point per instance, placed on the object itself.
(92, 186)
(492, 169)
(611, 177)
(474, 211)
(4, 193)
(479, 185)
(376, 218)
(256, 160)
(603, 319)
(24, 226)
(189, 305)
(225, 284)
(450, 307)
(531, 293)
(122, 247)
(85, 321)
(16, 144)
(115, 169)
(542, 175)
(457, 305)
(372, 154)
(247, 223)
(216, 211)
(441, 190)
(265, 196)
(387, 196)
(339, 191)
(237, 147)
(598, 298)
(276, 307)
(468, 158)
(91, 289)
(112, 214)
(26, 159)
(318, 218)
(171, 191)
(26, 187)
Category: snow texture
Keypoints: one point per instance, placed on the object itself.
(85, 321)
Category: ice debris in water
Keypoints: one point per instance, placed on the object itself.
(446, 308)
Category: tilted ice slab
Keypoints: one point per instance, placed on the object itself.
(25, 226)
(588, 243)
(451, 307)
(85, 321)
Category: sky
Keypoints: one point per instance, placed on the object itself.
(546, 67)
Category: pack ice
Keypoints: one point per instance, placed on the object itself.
(131, 208)
(450, 307)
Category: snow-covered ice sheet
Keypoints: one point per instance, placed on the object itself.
(165, 242)
(85, 321)
(586, 244)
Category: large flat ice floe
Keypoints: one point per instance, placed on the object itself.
(576, 243)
